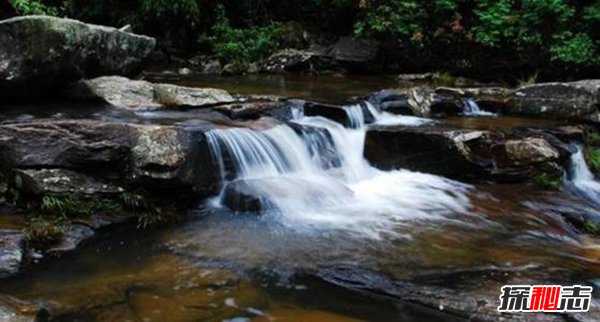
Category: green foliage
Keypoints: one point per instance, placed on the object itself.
(33, 7)
(532, 79)
(578, 49)
(591, 227)
(242, 45)
(593, 159)
(42, 232)
(72, 206)
(593, 139)
(548, 181)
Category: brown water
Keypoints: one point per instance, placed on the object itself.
(224, 266)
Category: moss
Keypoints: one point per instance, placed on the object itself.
(43, 232)
(548, 181)
(592, 156)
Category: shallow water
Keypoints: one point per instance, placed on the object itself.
(222, 265)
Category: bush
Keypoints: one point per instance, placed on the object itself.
(548, 181)
(42, 232)
(242, 45)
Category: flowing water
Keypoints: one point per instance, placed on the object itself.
(470, 108)
(325, 207)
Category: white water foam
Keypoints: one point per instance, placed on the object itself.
(582, 179)
(471, 108)
(353, 196)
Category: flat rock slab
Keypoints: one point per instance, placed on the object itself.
(40, 54)
(138, 95)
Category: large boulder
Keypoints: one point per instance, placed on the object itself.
(464, 154)
(355, 50)
(50, 156)
(39, 54)
(136, 94)
(576, 100)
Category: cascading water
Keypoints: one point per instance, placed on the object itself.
(582, 179)
(471, 108)
(313, 174)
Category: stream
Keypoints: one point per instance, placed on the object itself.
(333, 235)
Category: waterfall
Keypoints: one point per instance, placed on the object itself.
(312, 174)
(471, 108)
(581, 179)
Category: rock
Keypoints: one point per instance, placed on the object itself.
(239, 195)
(294, 60)
(184, 71)
(235, 68)
(427, 149)
(11, 252)
(249, 109)
(253, 68)
(350, 49)
(576, 100)
(41, 54)
(461, 154)
(392, 101)
(487, 98)
(333, 112)
(410, 78)
(115, 154)
(61, 181)
(212, 67)
(74, 235)
(135, 95)
(14, 310)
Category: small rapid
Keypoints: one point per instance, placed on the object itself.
(471, 108)
(312, 174)
(581, 179)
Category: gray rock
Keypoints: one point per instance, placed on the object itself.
(114, 154)
(61, 181)
(212, 67)
(40, 54)
(134, 94)
(576, 100)
(350, 49)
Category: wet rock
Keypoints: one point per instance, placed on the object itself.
(320, 144)
(239, 195)
(487, 98)
(74, 235)
(333, 112)
(133, 94)
(294, 60)
(428, 149)
(60, 181)
(11, 252)
(576, 100)
(462, 154)
(473, 301)
(249, 109)
(350, 49)
(14, 310)
(392, 101)
(41, 54)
